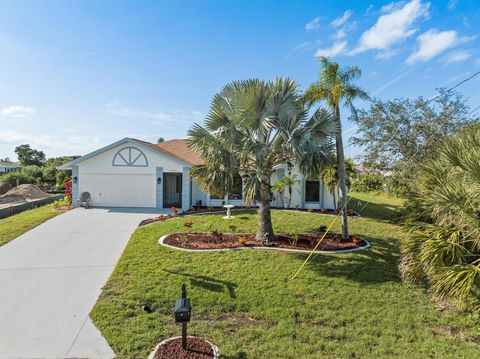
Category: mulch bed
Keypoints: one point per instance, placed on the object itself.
(199, 210)
(304, 241)
(197, 348)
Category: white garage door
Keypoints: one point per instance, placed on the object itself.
(120, 190)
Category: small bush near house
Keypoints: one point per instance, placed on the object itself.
(14, 177)
(68, 191)
(368, 183)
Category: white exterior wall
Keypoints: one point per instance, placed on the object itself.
(298, 195)
(137, 186)
(121, 185)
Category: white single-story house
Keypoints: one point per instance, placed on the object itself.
(135, 173)
(7, 167)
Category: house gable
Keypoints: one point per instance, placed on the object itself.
(140, 148)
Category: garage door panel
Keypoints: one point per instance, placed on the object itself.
(120, 190)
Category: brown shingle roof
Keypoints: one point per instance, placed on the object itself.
(178, 149)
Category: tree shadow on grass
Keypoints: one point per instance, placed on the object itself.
(208, 283)
(378, 264)
(378, 211)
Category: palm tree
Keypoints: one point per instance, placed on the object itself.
(252, 127)
(279, 188)
(334, 86)
(443, 242)
(289, 182)
(329, 177)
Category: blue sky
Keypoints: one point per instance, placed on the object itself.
(77, 75)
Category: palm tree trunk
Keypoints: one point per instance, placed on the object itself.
(342, 195)
(265, 228)
(289, 196)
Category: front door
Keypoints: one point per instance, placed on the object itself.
(172, 190)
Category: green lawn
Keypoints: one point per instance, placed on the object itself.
(12, 227)
(340, 306)
(381, 206)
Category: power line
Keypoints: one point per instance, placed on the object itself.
(455, 86)
(433, 98)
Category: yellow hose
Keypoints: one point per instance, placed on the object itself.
(314, 249)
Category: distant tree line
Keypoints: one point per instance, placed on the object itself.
(37, 169)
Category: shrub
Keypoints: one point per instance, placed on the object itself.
(368, 183)
(60, 203)
(242, 241)
(68, 191)
(33, 171)
(217, 236)
(442, 246)
(13, 177)
(401, 184)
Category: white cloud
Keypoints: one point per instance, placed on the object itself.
(115, 108)
(54, 144)
(340, 34)
(392, 6)
(18, 111)
(301, 47)
(433, 43)
(393, 27)
(313, 24)
(456, 56)
(336, 49)
(452, 4)
(339, 21)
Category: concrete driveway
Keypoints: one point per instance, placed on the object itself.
(51, 277)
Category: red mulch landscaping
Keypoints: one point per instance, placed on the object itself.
(197, 348)
(305, 241)
(198, 210)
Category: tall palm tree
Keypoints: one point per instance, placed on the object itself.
(334, 87)
(252, 127)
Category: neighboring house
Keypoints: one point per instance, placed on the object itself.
(6, 167)
(134, 173)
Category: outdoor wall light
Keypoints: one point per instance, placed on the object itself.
(159, 180)
(75, 179)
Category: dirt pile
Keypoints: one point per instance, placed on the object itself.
(5, 187)
(24, 192)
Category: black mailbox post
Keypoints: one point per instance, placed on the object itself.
(183, 312)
